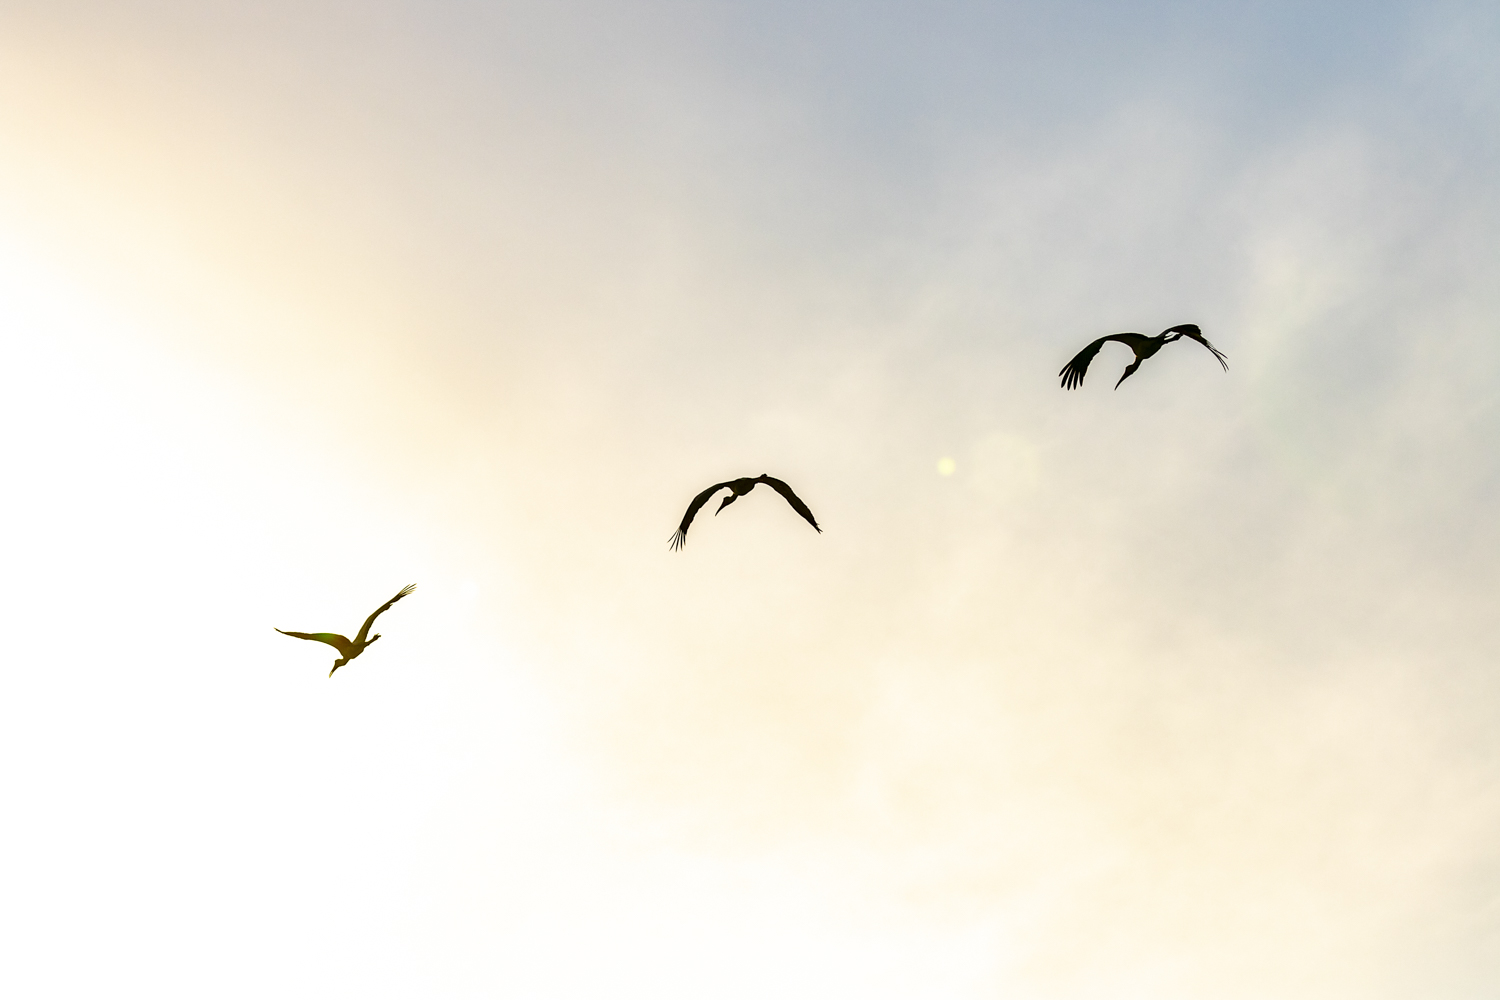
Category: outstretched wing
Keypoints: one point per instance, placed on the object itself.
(1191, 331)
(792, 499)
(1072, 373)
(338, 642)
(359, 640)
(679, 537)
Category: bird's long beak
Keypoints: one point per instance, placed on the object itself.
(731, 498)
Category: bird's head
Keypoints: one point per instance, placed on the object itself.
(731, 498)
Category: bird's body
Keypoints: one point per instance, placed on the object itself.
(349, 649)
(1143, 346)
(738, 488)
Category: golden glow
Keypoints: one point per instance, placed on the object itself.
(299, 308)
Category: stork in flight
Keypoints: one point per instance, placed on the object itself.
(1143, 346)
(349, 650)
(740, 487)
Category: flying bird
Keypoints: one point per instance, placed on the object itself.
(349, 650)
(1143, 346)
(739, 488)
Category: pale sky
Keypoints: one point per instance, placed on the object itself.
(1187, 690)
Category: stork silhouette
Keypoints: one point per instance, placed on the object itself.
(349, 650)
(739, 488)
(1143, 346)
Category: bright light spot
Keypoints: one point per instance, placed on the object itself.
(946, 466)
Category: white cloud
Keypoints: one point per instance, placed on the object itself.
(1175, 690)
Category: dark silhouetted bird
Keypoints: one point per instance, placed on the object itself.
(349, 650)
(1143, 346)
(740, 487)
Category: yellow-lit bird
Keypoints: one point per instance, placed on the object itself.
(1143, 346)
(349, 650)
(738, 488)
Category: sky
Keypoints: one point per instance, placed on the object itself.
(1182, 690)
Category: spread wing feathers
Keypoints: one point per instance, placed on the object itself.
(792, 499)
(1072, 373)
(679, 537)
(1191, 331)
(359, 640)
(338, 642)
